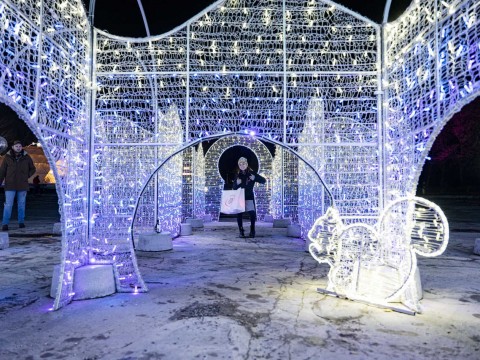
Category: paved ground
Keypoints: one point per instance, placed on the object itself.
(216, 296)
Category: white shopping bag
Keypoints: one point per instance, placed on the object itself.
(233, 201)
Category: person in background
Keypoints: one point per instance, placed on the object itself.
(246, 178)
(16, 168)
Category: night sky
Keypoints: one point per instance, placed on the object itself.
(124, 17)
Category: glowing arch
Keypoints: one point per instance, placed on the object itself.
(231, 140)
(63, 77)
(44, 77)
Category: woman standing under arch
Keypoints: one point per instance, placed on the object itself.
(246, 178)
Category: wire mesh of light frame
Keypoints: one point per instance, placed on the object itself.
(199, 188)
(297, 191)
(290, 185)
(162, 212)
(44, 77)
(193, 183)
(284, 185)
(166, 185)
(187, 183)
(276, 202)
(121, 173)
(311, 194)
(432, 69)
(344, 151)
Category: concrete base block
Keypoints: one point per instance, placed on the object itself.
(268, 218)
(281, 223)
(207, 218)
(155, 242)
(196, 223)
(476, 247)
(294, 230)
(57, 229)
(185, 229)
(93, 281)
(55, 280)
(4, 240)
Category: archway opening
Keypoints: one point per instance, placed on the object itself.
(42, 209)
(451, 175)
(294, 189)
(227, 164)
(227, 167)
(39, 243)
(453, 165)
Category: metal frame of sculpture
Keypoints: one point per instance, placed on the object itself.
(310, 75)
(376, 264)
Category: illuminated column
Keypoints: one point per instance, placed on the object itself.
(276, 204)
(199, 182)
(311, 193)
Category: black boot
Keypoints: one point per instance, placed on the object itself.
(240, 225)
(252, 230)
(253, 218)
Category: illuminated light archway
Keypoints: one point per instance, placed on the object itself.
(44, 78)
(64, 78)
(170, 218)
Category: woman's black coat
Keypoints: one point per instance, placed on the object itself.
(248, 184)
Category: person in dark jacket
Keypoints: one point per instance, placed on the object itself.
(246, 178)
(16, 168)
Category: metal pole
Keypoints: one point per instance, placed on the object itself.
(382, 114)
(386, 12)
(145, 22)
(91, 12)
